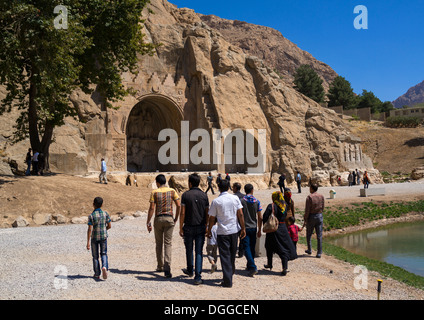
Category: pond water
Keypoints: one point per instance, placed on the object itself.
(400, 244)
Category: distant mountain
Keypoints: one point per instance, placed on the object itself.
(413, 96)
(268, 44)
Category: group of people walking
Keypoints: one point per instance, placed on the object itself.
(219, 178)
(282, 182)
(354, 178)
(231, 221)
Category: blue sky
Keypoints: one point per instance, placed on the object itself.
(387, 58)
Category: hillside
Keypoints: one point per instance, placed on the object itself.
(413, 96)
(271, 46)
(391, 150)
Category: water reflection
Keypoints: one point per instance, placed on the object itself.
(400, 245)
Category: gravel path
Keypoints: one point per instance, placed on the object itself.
(393, 191)
(51, 262)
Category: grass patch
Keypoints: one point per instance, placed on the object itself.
(397, 177)
(385, 269)
(359, 213)
(341, 217)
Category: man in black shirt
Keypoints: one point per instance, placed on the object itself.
(194, 216)
(281, 182)
(236, 190)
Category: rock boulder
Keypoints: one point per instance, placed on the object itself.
(417, 173)
(20, 222)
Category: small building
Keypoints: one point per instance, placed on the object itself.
(408, 112)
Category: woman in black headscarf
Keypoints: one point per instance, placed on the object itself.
(279, 242)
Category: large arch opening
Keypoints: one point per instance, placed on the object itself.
(244, 152)
(145, 121)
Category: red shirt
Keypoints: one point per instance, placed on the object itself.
(294, 232)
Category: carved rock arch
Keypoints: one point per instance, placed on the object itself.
(153, 113)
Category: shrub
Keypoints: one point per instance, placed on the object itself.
(403, 122)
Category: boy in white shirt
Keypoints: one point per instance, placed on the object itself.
(102, 176)
(212, 249)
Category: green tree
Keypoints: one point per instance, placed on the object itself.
(42, 63)
(307, 81)
(341, 93)
(386, 106)
(369, 100)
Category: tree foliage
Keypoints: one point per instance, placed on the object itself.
(307, 81)
(341, 93)
(41, 65)
(369, 100)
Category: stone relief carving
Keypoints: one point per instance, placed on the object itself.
(141, 125)
(119, 154)
(167, 86)
(138, 150)
(346, 152)
(352, 152)
(358, 153)
(118, 121)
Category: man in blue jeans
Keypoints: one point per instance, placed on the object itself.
(194, 213)
(313, 219)
(299, 182)
(253, 223)
(98, 224)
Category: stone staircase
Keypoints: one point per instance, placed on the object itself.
(210, 113)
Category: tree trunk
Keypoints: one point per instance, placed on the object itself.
(33, 123)
(33, 118)
(46, 142)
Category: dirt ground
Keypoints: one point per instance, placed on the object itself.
(391, 149)
(73, 196)
(309, 278)
(67, 195)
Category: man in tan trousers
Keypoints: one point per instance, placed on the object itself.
(161, 199)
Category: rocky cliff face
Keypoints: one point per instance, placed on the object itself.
(219, 85)
(279, 53)
(413, 96)
(243, 91)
